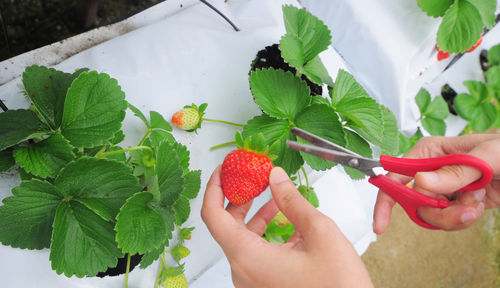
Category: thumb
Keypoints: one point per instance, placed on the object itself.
(289, 200)
(448, 179)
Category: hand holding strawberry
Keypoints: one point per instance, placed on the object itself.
(318, 255)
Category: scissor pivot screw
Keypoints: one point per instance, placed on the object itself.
(354, 163)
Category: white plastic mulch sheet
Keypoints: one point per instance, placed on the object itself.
(192, 56)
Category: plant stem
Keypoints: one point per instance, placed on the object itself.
(305, 176)
(144, 137)
(223, 145)
(106, 154)
(300, 179)
(158, 278)
(127, 271)
(222, 121)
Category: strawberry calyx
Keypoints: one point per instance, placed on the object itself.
(256, 144)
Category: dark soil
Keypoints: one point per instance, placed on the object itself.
(29, 24)
(449, 96)
(121, 267)
(270, 57)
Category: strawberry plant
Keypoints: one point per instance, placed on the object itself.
(190, 118)
(81, 195)
(462, 23)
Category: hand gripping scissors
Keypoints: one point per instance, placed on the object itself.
(408, 198)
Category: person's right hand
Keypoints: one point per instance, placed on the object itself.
(467, 206)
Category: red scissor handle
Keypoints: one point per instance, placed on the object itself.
(409, 167)
(408, 198)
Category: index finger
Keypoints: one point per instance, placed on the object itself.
(219, 222)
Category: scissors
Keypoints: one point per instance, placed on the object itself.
(408, 198)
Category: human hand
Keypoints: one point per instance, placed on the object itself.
(317, 255)
(467, 206)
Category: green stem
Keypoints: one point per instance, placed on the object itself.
(127, 271)
(223, 145)
(106, 154)
(300, 179)
(222, 121)
(305, 176)
(144, 137)
(158, 278)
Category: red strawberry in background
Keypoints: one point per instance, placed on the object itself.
(442, 55)
(477, 44)
(245, 171)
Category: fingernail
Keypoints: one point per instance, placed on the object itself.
(278, 175)
(479, 194)
(480, 208)
(468, 216)
(430, 177)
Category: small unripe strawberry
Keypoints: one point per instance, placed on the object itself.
(186, 119)
(281, 219)
(177, 281)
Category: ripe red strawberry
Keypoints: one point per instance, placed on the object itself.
(245, 172)
(187, 118)
(477, 44)
(442, 55)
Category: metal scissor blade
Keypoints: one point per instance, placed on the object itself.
(320, 142)
(360, 163)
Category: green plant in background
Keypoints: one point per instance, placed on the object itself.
(348, 116)
(462, 21)
(432, 113)
(80, 195)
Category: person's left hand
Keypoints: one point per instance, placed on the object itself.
(317, 255)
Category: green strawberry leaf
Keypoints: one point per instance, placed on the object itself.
(423, 99)
(138, 114)
(83, 243)
(480, 114)
(493, 77)
(46, 88)
(309, 195)
(494, 55)
(346, 87)
(316, 71)
(435, 127)
(280, 94)
(478, 90)
(140, 227)
(438, 108)
(312, 33)
(486, 9)
(101, 185)
(159, 136)
(26, 217)
(169, 172)
(292, 50)
(465, 105)
(461, 27)
(406, 143)
(276, 132)
(389, 134)
(321, 120)
(151, 256)
(118, 138)
(6, 160)
(358, 145)
(183, 155)
(434, 8)
(158, 122)
(192, 184)
(20, 125)
(321, 100)
(181, 210)
(94, 109)
(45, 158)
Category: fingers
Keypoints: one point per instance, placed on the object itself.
(219, 222)
(382, 213)
(239, 212)
(462, 212)
(289, 201)
(261, 219)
